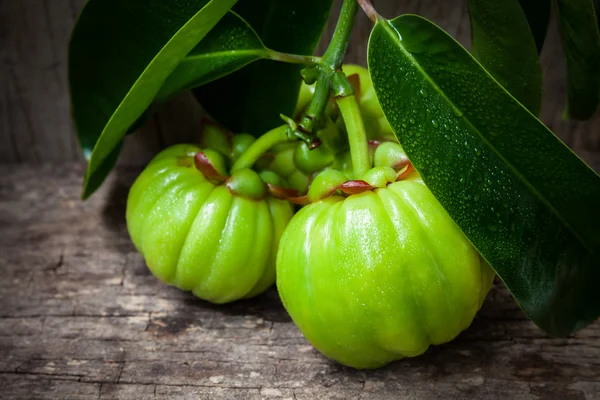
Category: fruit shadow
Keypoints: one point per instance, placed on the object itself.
(115, 203)
(266, 306)
(497, 344)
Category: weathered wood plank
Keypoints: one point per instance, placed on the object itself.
(35, 123)
(81, 317)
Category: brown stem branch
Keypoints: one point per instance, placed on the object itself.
(369, 10)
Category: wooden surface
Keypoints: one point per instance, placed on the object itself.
(35, 124)
(81, 317)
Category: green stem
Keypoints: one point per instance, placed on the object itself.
(331, 61)
(317, 104)
(292, 58)
(261, 146)
(357, 136)
(334, 56)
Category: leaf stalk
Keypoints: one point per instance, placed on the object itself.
(262, 145)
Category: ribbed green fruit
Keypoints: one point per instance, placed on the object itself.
(198, 235)
(379, 275)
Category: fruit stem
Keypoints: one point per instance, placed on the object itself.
(293, 58)
(334, 56)
(330, 63)
(261, 146)
(357, 136)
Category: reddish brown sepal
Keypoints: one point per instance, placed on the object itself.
(400, 165)
(373, 144)
(316, 142)
(290, 195)
(355, 187)
(409, 169)
(204, 165)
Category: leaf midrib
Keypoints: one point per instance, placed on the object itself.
(259, 53)
(391, 30)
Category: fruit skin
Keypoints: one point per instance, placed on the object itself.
(380, 275)
(197, 236)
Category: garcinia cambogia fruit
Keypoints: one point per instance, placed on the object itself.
(380, 274)
(216, 239)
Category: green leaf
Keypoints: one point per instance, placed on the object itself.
(538, 16)
(102, 172)
(120, 54)
(260, 92)
(231, 45)
(526, 202)
(581, 42)
(504, 45)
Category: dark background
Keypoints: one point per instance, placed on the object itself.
(35, 123)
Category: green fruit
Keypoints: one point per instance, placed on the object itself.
(381, 275)
(310, 161)
(218, 240)
(281, 161)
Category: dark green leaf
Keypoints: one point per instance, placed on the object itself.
(231, 45)
(258, 93)
(120, 54)
(504, 45)
(525, 201)
(581, 42)
(102, 172)
(538, 16)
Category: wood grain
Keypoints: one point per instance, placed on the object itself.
(81, 317)
(35, 123)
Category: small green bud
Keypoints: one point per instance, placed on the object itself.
(271, 177)
(241, 142)
(309, 161)
(215, 138)
(246, 183)
(389, 154)
(325, 184)
(380, 176)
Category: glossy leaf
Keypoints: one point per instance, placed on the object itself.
(120, 54)
(504, 45)
(231, 45)
(581, 42)
(260, 92)
(538, 16)
(526, 202)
